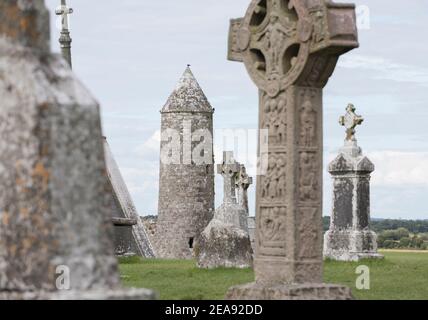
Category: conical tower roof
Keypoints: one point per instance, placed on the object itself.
(187, 96)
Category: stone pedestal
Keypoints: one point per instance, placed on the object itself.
(56, 234)
(224, 245)
(349, 237)
(310, 291)
(290, 50)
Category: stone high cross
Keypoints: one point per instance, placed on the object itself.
(243, 182)
(290, 49)
(229, 170)
(65, 39)
(350, 121)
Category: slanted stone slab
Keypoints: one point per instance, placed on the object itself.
(131, 236)
(225, 242)
(56, 234)
(349, 237)
(290, 49)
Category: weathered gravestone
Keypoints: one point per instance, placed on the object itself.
(290, 49)
(225, 242)
(349, 237)
(56, 235)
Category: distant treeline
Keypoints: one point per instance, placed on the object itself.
(379, 225)
(397, 234)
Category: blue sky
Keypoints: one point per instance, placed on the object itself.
(131, 53)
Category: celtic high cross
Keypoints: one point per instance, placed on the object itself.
(290, 49)
(229, 169)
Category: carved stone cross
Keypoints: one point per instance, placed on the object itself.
(243, 182)
(64, 11)
(290, 49)
(229, 170)
(350, 121)
(65, 39)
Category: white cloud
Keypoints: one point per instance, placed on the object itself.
(386, 69)
(400, 169)
(150, 149)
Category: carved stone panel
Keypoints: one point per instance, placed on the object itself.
(274, 118)
(310, 233)
(273, 183)
(309, 184)
(272, 231)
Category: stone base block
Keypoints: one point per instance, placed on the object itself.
(350, 245)
(310, 291)
(351, 256)
(223, 245)
(119, 294)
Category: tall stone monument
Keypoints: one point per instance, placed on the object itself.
(290, 49)
(186, 180)
(225, 242)
(56, 235)
(349, 237)
(130, 235)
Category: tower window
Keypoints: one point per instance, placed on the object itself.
(191, 240)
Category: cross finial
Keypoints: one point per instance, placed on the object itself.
(65, 39)
(350, 121)
(64, 11)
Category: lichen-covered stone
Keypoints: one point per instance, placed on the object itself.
(349, 237)
(312, 291)
(186, 187)
(226, 242)
(54, 208)
(223, 245)
(290, 80)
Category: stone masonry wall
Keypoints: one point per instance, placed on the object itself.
(186, 193)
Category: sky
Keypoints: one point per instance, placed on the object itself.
(131, 53)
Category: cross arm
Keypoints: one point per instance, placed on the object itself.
(337, 32)
(234, 50)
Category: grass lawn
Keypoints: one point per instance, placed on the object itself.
(402, 275)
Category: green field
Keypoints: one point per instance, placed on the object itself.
(402, 275)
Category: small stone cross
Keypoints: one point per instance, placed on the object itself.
(64, 11)
(243, 182)
(229, 170)
(350, 121)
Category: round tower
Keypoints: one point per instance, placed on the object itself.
(186, 179)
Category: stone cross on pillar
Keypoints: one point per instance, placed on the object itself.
(290, 49)
(350, 121)
(349, 237)
(229, 169)
(65, 39)
(243, 182)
